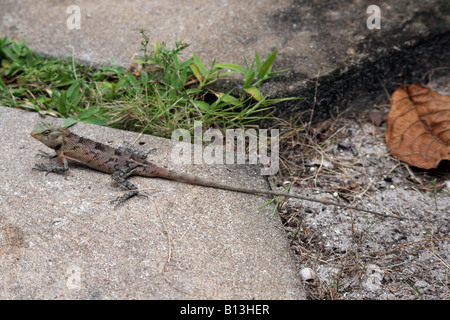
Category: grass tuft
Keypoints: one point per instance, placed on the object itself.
(157, 94)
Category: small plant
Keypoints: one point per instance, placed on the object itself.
(275, 199)
(173, 94)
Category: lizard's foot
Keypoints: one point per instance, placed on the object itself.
(49, 168)
(121, 200)
(120, 177)
(44, 154)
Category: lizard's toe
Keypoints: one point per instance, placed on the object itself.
(121, 200)
(42, 153)
(41, 167)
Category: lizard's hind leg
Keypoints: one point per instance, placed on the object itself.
(120, 176)
(134, 151)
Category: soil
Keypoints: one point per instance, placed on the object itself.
(351, 254)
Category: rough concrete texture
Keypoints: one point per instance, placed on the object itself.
(62, 239)
(314, 39)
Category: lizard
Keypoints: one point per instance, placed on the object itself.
(123, 162)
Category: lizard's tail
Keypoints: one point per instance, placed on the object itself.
(176, 176)
(172, 175)
(152, 170)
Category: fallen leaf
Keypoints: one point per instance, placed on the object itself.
(418, 126)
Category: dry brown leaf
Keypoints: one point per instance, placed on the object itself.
(418, 126)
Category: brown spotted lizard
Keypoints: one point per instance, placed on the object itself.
(124, 162)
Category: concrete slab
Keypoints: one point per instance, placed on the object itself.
(314, 39)
(62, 239)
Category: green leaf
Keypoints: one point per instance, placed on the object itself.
(200, 65)
(232, 66)
(265, 69)
(202, 105)
(87, 113)
(73, 90)
(157, 49)
(69, 122)
(62, 103)
(17, 48)
(249, 77)
(183, 76)
(175, 82)
(9, 53)
(74, 94)
(123, 82)
(144, 77)
(176, 63)
(64, 82)
(227, 98)
(186, 63)
(255, 93)
(258, 61)
(94, 120)
(132, 79)
(31, 107)
(213, 67)
(196, 71)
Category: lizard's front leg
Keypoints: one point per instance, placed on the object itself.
(47, 168)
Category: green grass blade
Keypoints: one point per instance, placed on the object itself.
(266, 67)
(200, 65)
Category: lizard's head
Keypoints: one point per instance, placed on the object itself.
(48, 134)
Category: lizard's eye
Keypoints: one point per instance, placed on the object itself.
(46, 132)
